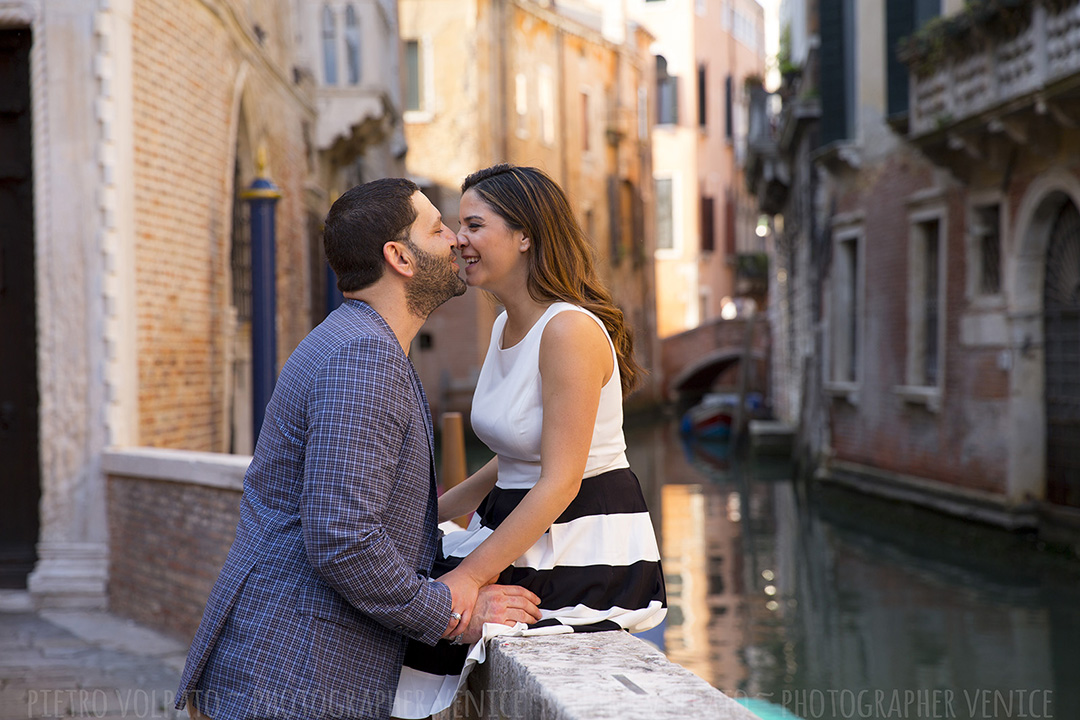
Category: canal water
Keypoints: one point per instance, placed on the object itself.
(805, 601)
(810, 602)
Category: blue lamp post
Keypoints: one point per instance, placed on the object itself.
(262, 196)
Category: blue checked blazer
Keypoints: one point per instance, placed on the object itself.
(327, 577)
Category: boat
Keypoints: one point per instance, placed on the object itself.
(713, 416)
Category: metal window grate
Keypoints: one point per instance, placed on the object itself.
(931, 309)
(1062, 358)
(988, 230)
(240, 259)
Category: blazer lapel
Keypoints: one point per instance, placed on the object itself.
(425, 410)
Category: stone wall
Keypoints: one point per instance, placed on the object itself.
(584, 677)
(172, 518)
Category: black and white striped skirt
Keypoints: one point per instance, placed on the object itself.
(596, 568)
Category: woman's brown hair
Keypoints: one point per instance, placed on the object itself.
(561, 263)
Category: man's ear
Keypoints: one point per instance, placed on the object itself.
(399, 258)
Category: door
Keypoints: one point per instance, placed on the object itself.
(19, 452)
(1062, 333)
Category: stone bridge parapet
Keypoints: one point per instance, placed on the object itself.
(692, 360)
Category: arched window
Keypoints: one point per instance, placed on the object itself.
(667, 94)
(329, 39)
(352, 44)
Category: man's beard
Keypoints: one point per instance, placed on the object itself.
(434, 283)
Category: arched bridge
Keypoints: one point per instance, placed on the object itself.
(693, 360)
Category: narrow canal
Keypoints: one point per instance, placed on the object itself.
(817, 603)
(814, 603)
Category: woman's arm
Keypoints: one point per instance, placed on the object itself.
(466, 496)
(575, 362)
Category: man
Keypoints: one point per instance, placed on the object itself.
(327, 577)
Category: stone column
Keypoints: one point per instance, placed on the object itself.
(81, 77)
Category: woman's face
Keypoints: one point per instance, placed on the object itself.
(493, 253)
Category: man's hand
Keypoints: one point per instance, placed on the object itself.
(505, 604)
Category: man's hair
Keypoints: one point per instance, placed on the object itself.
(361, 222)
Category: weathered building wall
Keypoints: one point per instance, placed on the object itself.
(204, 86)
(875, 424)
(506, 84)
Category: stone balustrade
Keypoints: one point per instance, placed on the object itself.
(586, 676)
(996, 75)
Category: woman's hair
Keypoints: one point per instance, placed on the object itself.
(360, 223)
(561, 264)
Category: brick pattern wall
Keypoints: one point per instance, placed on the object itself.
(183, 78)
(961, 443)
(167, 542)
(186, 72)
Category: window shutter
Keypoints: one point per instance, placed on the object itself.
(834, 111)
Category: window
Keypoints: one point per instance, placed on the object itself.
(329, 42)
(846, 311)
(414, 93)
(708, 224)
(729, 106)
(642, 113)
(352, 44)
(926, 292)
(585, 130)
(837, 68)
(730, 222)
(521, 104)
(665, 231)
(667, 93)
(702, 98)
(930, 305)
(547, 105)
(902, 18)
(986, 249)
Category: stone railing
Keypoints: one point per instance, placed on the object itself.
(996, 74)
(586, 676)
(172, 515)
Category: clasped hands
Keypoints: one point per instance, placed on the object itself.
(475, 603)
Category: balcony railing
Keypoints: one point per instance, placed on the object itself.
(966, 71)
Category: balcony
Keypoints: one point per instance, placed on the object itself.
(1000, 76)
(767, 175)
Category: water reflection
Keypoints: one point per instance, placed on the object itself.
(820, 603)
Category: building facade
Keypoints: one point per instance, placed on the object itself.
(705, 51)
(932, 252)
(562, 88)
(139, 126)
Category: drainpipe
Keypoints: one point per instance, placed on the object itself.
(262, 196)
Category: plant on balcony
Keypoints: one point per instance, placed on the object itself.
(979, 23)
(783, 55)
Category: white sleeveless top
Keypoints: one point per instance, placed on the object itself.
(508, 415)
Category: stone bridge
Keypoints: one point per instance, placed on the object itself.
(692, 361)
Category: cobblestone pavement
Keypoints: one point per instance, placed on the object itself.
(63, 664)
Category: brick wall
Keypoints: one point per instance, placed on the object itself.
(960, 443)
(192, 69)
(168, 541)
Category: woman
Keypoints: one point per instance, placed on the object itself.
(558, 509)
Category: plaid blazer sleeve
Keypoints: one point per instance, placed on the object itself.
(358, 409)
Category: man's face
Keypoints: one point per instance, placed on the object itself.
(432, 244)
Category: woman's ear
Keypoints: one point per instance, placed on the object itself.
(525, 243)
